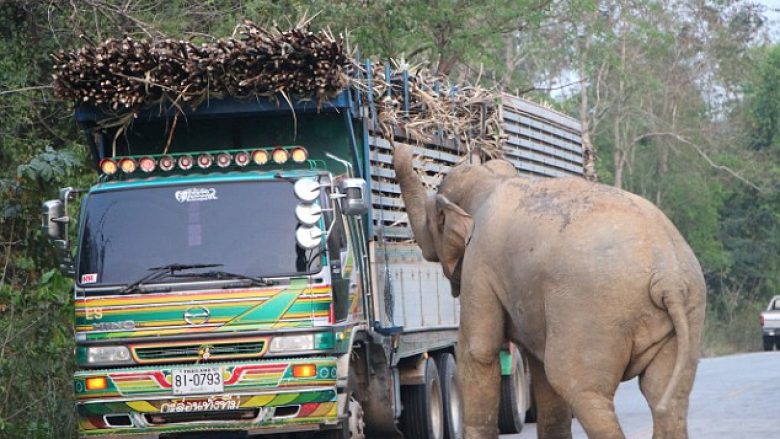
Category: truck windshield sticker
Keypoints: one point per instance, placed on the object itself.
(89, 278)
(194, 194)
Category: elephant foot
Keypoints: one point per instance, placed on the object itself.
(480, 432)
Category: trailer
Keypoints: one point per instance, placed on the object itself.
(255, 273)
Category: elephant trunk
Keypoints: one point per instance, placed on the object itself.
(415, 200)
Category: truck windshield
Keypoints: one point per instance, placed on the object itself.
(246, 227)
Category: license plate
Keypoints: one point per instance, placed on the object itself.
(197, 380)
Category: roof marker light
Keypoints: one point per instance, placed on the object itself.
(205, 160)
(299, 154)
(147, 164)
(223, 160)
(127, 165)
(280, 156)
(241, 158)
(167, 163)
(108, 167)
(260, 157)
(185, 162)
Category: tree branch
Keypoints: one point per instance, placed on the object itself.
(701, 152)
(23, 89)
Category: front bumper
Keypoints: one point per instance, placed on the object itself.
(258, 397)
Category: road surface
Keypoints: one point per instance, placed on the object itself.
(734, 397)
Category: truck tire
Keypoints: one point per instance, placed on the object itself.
(423, 415)
(530, 415)
(513, 404)
(351, 428)
(769, 343)
(453, 418)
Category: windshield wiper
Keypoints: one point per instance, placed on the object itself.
(226, 275)
(159, 272)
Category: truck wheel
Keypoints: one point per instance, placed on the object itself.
(423, 417)
(530, 415)
(352, 428)
(453, 420)
(513, 405)
(769, 343)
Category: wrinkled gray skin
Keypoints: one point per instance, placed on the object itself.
(595, 283)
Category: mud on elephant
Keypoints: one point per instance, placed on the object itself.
(594, 283)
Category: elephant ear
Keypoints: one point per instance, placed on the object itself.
(455, 226)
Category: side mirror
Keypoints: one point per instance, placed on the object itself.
(55, 224)
(54, 220)
(354, 200)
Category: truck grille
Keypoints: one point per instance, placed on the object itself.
(216, 350)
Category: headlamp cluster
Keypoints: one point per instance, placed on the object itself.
(309, 213)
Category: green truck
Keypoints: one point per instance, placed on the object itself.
(254, 274)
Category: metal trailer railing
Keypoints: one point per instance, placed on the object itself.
(539, 141)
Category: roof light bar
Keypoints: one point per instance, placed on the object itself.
(223, 159)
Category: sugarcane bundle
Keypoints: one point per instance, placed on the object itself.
(435, 109)
(125, 75)
(122, 74)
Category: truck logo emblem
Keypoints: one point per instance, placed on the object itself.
(194, 194)
(114, 326)
(198, 315)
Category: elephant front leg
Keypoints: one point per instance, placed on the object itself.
(480, 340)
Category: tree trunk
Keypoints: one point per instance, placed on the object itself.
(588, 150)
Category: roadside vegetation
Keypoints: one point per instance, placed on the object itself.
(680, 101)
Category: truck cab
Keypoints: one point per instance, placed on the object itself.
(218, 277)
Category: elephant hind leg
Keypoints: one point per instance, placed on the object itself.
(587, 376)
(553, 414)
(672, 422)
(596, 413)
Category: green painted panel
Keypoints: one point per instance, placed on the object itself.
(506, 362)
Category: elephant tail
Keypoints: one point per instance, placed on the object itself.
(674, 302)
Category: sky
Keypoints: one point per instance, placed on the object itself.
(773, 14)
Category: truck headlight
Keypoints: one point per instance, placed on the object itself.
(292, 343)
(108, 355)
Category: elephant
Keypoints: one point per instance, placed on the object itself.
(593, 283)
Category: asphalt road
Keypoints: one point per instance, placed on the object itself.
(734, 397)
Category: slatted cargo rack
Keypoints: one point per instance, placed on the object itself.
(539, 142)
